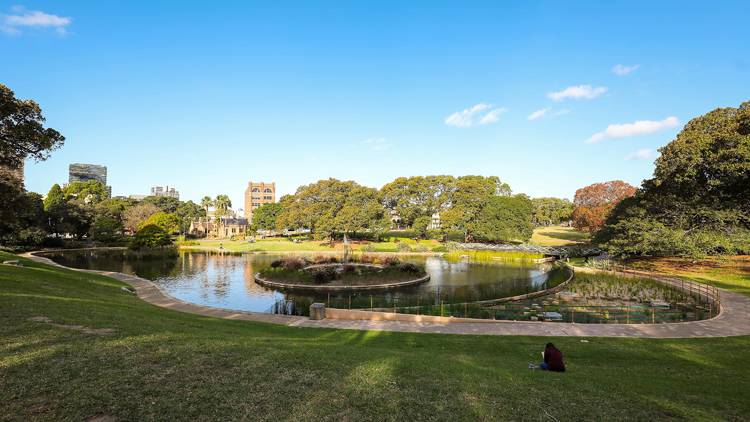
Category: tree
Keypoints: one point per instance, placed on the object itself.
(189, 211)
(467, 198)
(22, 131)
(550, 211)
(328, 206)
(55, 197)
(150, 236)
(168, 222)
(698, 201)
(593, 203)
(504, 219)
(88, 192)
(106, 228)
(207, 203)
(265, 216)
(421, 224)
(418, 196)
(164, 203)
(134, 216)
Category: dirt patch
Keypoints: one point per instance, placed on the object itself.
(80, 328)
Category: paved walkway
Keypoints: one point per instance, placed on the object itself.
(734, 319)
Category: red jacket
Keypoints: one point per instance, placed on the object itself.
(554, 359)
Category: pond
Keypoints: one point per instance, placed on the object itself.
(227, 280)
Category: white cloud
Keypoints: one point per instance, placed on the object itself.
(538, 114)
(622, 70)
(579, 92)
(640, 127)
(642, 154)
(480, 114)
(22, 18)
(376, 144)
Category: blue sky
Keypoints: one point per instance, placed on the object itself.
(206, 97)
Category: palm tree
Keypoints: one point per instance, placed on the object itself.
(207, 203)
(222, 204)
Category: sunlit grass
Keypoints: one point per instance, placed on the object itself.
(163, 365)
(558, 236)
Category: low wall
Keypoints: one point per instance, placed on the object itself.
(311, 288)
(353, 314)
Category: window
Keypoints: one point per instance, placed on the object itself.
(268, 198)
(255, 190)
(268, 191)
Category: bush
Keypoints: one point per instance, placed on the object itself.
(150, 236)
(403, 247)
(294, 263)
(421, 248)
(408, 267)
(277, 263)
(323, 274)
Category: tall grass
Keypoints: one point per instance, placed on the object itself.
(489, 257)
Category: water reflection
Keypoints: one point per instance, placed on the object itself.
(226, 280)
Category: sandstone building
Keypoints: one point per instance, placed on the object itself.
(258, 194)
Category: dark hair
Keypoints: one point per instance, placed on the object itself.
(550, 345)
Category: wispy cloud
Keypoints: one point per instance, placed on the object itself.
(538, 114)
(640, 127)
(641, 154)
(480, 114)
(579, 92)
(20, 18)
(622, 69)
(376, 144)
(547, 111)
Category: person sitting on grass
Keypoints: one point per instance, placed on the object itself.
(553, 359)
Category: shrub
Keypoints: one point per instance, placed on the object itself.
(421, 248)
(408, 267)
(403, 247)
(390, 261)
(294, 263)
(323, 274)
(150, 236)
(277, 263)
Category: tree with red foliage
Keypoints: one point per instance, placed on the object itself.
(593, 203)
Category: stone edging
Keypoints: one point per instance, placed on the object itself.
(387, 286)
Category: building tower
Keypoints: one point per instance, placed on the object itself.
(256, 195)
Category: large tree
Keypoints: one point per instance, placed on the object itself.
(466, 200)
(22, 131)
(134, 216)
(265, 216)
(592, 204)
(418, 196)
(329, 206)
(504, 219)
(698, 201)
(549, 211)
(89, 192)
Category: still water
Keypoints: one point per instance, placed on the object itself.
(226, 280)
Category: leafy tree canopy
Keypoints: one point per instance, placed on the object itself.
(592, 204)
(504, 219)
(698, 201)
(549, 211)
(22, 131)
(265, 216)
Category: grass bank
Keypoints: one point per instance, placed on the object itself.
(558, 236)
(92, 349)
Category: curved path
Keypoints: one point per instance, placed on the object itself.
(734, 319)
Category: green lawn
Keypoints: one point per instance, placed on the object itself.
(165, 365)
(558, 236)
(286, 245)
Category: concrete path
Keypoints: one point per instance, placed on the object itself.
(734, 319)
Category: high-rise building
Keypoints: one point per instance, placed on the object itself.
(78, 172)
(165, 191)
(258, 194)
